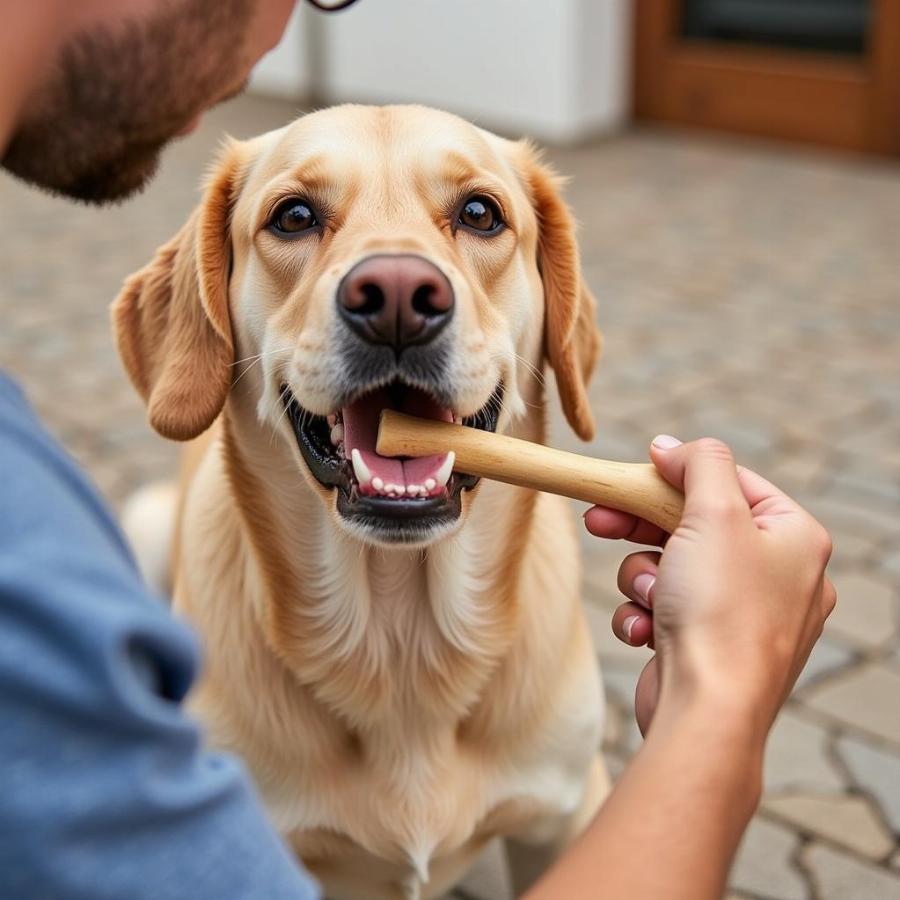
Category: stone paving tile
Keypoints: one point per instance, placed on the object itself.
(840, 876)
(765, 866)
(877, 770)
(867, 698)
(890, 562)
(613, 653)
(742, 290)
(845, 819)
(866, 613)
(854, 551)
(798, 757)
(826, 658)
(839, 515)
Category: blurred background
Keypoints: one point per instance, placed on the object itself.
(734, 167)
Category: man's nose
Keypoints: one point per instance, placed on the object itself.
(397, 300)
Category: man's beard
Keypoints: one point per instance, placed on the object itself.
(96, 129)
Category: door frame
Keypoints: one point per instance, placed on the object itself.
(824, 98)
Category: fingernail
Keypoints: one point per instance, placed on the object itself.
(627, 625)
(665, 442)
(642, 585)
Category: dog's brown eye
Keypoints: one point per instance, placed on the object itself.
(293, 216)
(480, 214)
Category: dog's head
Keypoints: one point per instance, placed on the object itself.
(358, 259)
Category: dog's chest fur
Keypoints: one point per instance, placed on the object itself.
(393, 706)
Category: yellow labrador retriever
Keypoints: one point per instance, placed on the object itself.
(398, 652)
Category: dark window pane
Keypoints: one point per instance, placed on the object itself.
(831, 25)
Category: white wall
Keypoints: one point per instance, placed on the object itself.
(556, 69)
(286, 70)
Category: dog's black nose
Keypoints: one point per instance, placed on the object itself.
(398, 300)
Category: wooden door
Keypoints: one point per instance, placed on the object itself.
(848, 98)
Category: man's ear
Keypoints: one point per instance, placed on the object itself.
(171, 320)
(572, 340)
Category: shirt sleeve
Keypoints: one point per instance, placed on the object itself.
(105, 788)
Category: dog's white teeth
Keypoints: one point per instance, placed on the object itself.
(413, 490)
(442, 476)
(360, 469)
(400, 489)
(337, 433)
(331, 419)
(457, 420)
(430, 484)
(378, 484)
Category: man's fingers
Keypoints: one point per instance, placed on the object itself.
(637, 577)
(632, 624)
(759, 491)
(614, 524)
(706, 472)
(775, 512)
(829, 598)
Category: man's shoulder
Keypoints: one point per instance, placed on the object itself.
(10, 390)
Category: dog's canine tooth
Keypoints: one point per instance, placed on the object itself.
(331, 419)
(378, 484)
(442, 476)
(360, 469)
(337, 434)
(430, 484)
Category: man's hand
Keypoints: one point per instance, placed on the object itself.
(738, 597)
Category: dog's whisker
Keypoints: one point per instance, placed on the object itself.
(538, 374)
(284, 408)
(255, 361)
(242, 374)
(237, 362)
(493, 405)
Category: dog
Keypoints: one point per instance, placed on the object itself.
(396, 650)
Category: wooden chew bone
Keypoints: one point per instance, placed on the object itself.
(635, 488)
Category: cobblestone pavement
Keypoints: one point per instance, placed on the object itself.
(747, 292)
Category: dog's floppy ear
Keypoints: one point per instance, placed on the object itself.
(171, 319)
(571, 337)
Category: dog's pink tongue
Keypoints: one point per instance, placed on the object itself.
(381, 473)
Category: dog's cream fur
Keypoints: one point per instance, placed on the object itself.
(398, 706)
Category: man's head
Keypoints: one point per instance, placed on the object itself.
(128, 77)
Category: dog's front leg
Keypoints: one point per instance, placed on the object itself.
(528, 860)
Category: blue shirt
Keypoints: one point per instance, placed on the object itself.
(105, 788)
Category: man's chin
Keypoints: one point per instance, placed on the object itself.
(99, 184)
(111, 186)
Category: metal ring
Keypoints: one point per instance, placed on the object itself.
(341, 4)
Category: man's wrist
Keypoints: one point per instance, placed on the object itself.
(729, 729)
(740, 701)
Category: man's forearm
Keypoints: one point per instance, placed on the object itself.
(672, 824)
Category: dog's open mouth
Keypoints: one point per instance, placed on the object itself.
(397, 496)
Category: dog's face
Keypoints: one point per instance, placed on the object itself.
(367, 258)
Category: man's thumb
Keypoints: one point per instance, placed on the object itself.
(704, 470)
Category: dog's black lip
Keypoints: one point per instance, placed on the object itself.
(399, 515)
